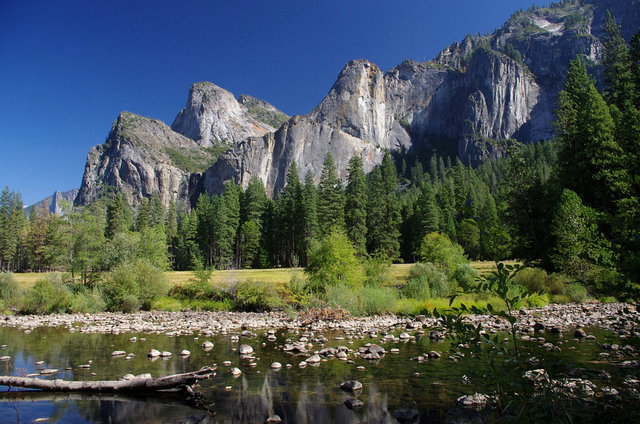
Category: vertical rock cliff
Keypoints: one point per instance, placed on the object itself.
(471, 101)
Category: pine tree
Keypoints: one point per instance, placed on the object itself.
(143, 220)
(186, 249)
(383, 211)
(12, 226)
(156, 211)
(356, 205)
(617, 67)
(230, 216)
(574, 230)
(291, 213)
(253, 200)
(330, 198)
(310, 214)
(591, 162)
(118, 215)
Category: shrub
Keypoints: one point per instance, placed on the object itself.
(426, 281)
(198, 290)
(47, 296)
(577, 293)
(532, 279)
(87, 300)
(442, 252)
(256, 296)
(297, 293)
(376, 269)
(134, 285)
(333, 261)
(166, 303)
(345, 297)
(378, 300)
(465, 276)
(9, 290)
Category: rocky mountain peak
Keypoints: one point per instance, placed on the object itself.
(213, 116)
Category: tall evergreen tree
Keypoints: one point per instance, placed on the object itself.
(355, 212)
(617, 67)
(292, 218)
(330, 198)
(383, 212)
(591, 162)
(310, 214)
(118, 215)
(143, 219)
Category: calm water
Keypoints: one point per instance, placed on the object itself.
(394, 386)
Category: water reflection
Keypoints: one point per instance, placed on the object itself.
(396, 389)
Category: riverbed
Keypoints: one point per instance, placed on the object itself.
(417, 379)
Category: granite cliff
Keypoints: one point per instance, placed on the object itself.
(470, 101)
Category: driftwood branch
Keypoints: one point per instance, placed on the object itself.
(136, 385)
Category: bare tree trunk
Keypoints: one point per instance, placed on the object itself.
(135, 385)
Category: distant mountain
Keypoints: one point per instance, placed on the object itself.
(471, 101)
(56, 203)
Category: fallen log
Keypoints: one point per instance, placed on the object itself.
(136, 385)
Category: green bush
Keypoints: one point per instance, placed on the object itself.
(378, 300)
(134, 285)
(345, 297)
(9, 291)
(333, 261)
(47, 296)
(442, 252)
(426, 281)
(166, 303)
(256, 296)
(87, 300)
(376, 269)
(199, 290)
(532, 279)
(577, 293)
(465, 276)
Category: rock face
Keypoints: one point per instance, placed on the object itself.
(213, 116)
(140, 157)
(56, 203)
(471, 101)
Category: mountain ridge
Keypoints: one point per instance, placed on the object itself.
(472, 99)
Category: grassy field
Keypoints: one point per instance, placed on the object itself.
(398, 274)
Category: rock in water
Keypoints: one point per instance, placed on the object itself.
(245, 349)
(353, 403)
(351, 386)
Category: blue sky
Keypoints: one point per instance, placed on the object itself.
(67, 68)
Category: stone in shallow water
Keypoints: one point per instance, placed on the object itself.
(118, 353)
(245, 349)
(154, 353)
(276, 365)
(351, 386)
(353, 403)
(235, 371)
(579, 333)
(273, 419)
(5, 358)
(475, 401)
(207, 345)
(314, 359)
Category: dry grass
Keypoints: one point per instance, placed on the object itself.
(398, 274)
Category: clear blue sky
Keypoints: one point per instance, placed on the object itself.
(67, 68)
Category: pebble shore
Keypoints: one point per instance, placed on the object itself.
(617, 317)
